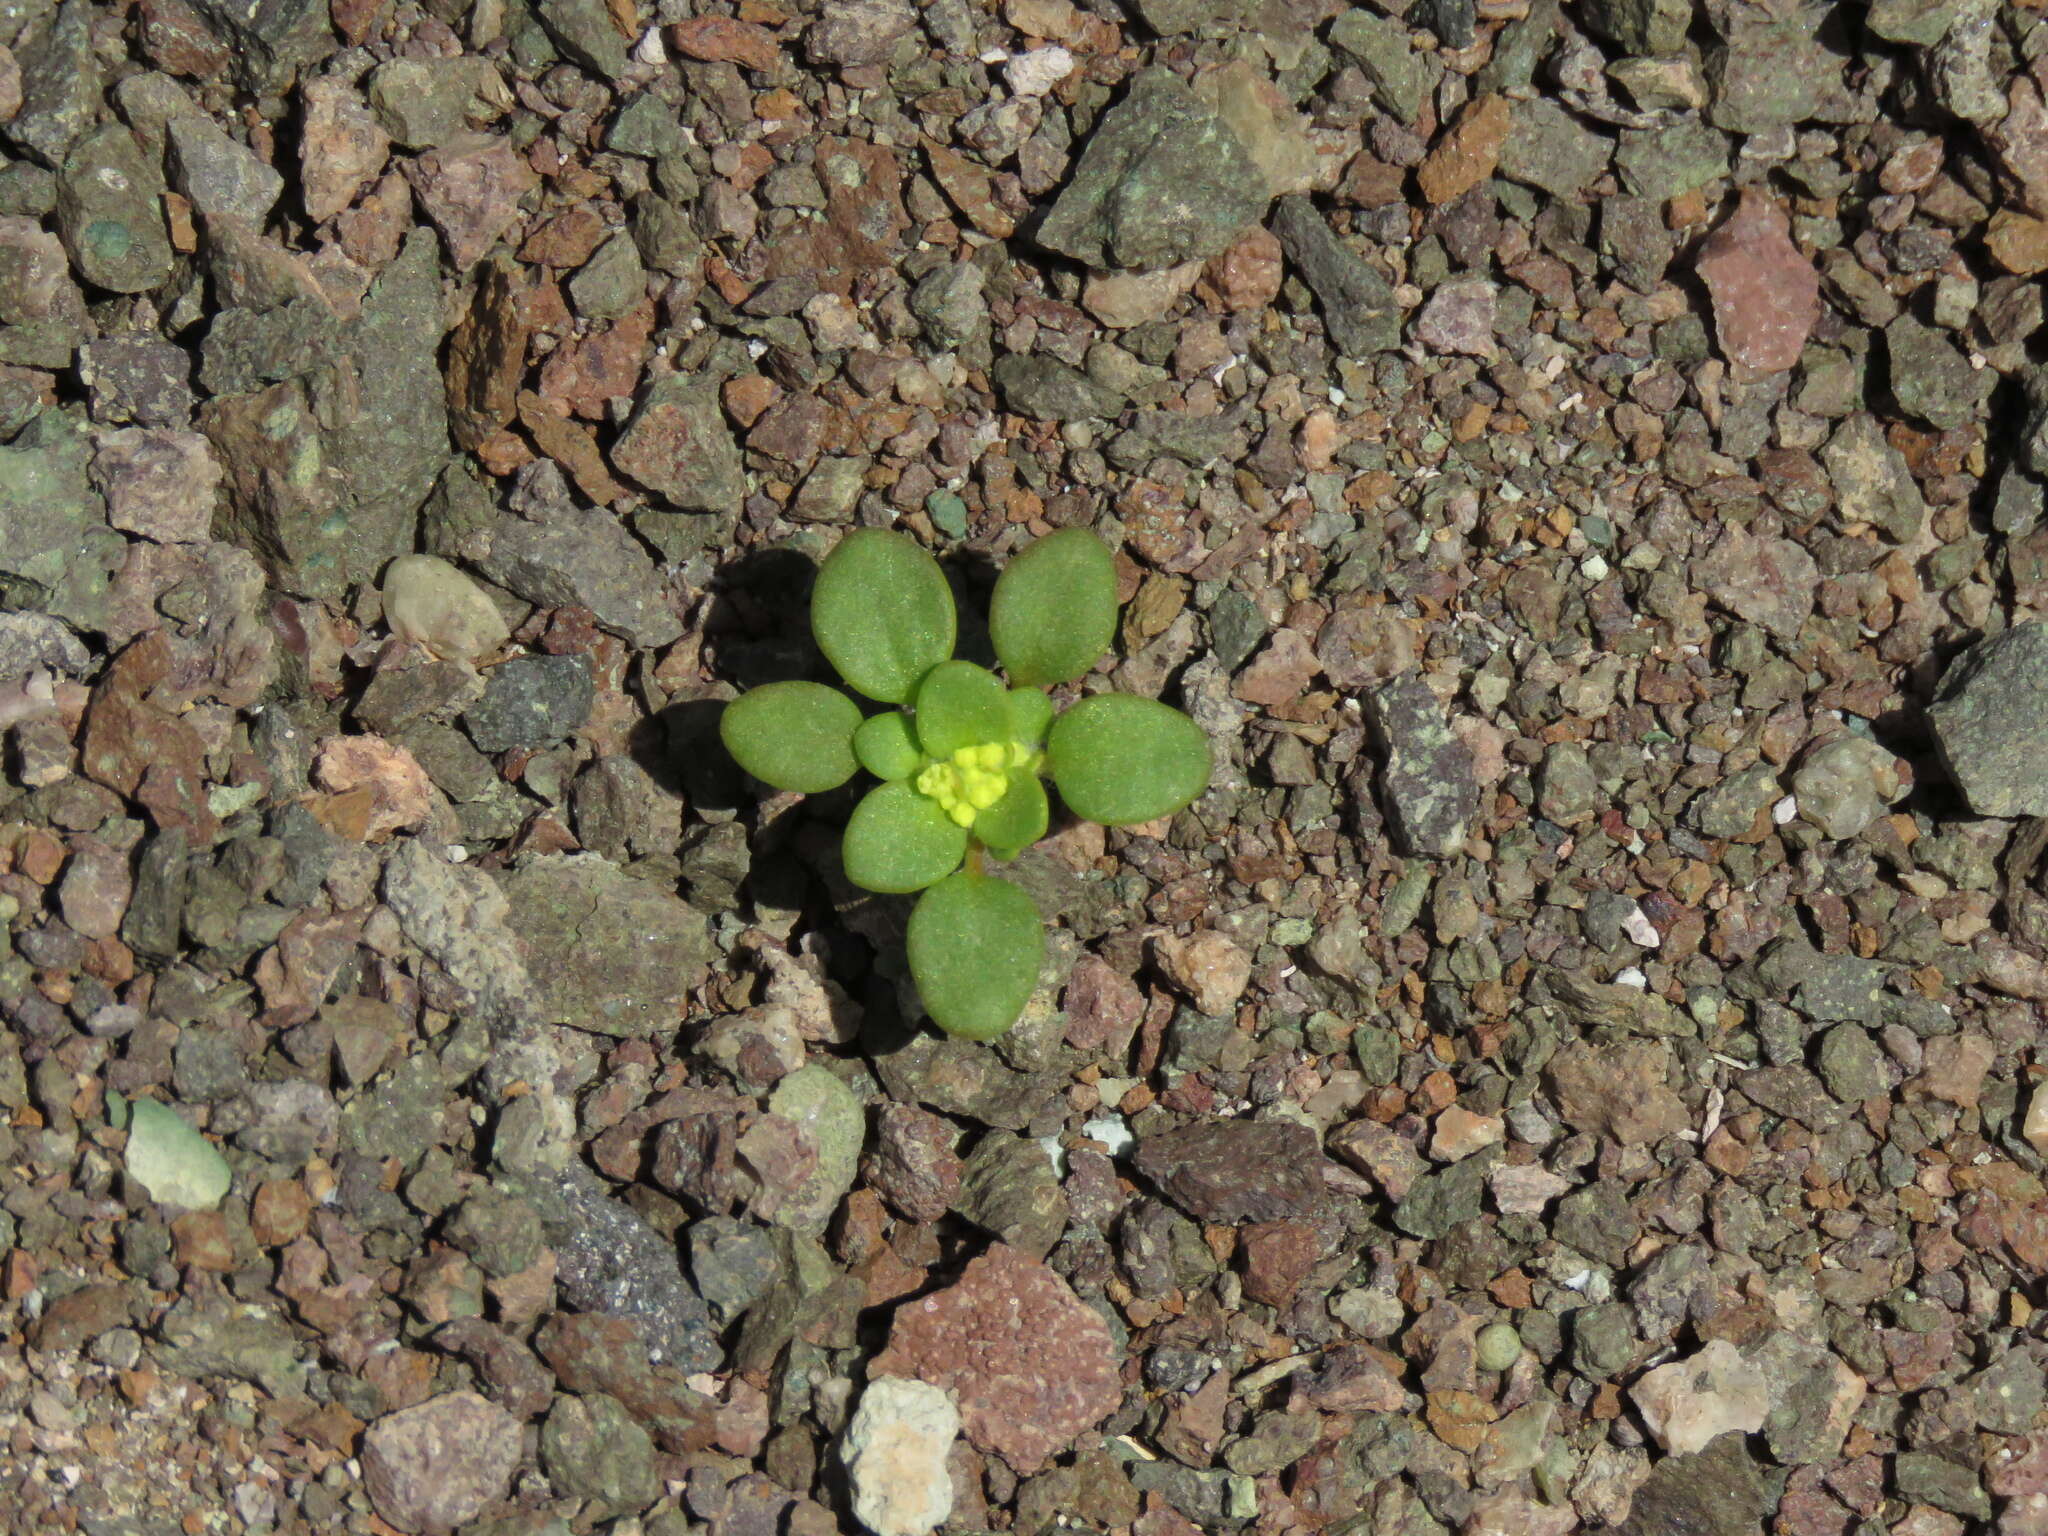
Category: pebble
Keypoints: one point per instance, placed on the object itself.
(1766, 295)
(1687, 1404)
(1208, 968)
(895, 1452)
(429, 602)
(442, 1463)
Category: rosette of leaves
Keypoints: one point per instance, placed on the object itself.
(963, 756)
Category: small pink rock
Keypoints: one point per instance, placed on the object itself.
(1766, 294)
(96, 888)
(341, 147)
(1280, 673)
(158, 483)
(400, 794)
(442, 1463)
(1459, 1133)
(1211, 970)
(470, 187)
(1459, 318)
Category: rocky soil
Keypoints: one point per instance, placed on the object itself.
(1578, 1068)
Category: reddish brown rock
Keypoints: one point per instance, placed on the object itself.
(1277, 1256)
(602, 366)
(487, 357)
(2018, 242)
(1031, 1364)
(1280, 673)
(1102, 1005)
(96, 889)
(569, 446)
(1617, 1090)
(1766, 295)
(568, 239)
(1246, 274)
(722, 40)
(1466, 155)
(912, 1164)
(137, 749)
(398, 790)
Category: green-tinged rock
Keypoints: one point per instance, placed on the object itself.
(611, 282)
(1739, 806)
(1719, 1491)
(2007, 1393)
(422, 103)
(1553, 150)
(733, 1263)
(58, 555)
(1162, 180)
(1871, 480)
(679, 446)
(274, 39)
(282, 494)
(1401, 77)
(60, 82)
(827, 1111)
(531, 701)
(584, 30)
(1658, 164)
(500, 1231)
(394, 446)
(247, 348)
(1172, 18)
(592, 1449)
(1930, 377)
(1771, 76)
(1851, 1063)
(1358, 304)
(609, 953)
(1925, 1478)
(176, 1164)
(215, 1337)
(1447, 1198)
(1921, 22)
(109, 213)
(1050, 390)
(221, 178)
(1642, 26)
(1989, 725)
(399, 1114)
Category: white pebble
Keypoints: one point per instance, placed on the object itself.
(895, 1453)
(1036, 72)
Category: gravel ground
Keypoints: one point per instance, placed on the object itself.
(1578, 1066)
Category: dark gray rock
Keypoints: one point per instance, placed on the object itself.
(531, 701)
(60, 82)
(1357, 302)
(574, 556)
(1989, 726)
(1009, 1189)
(1427, 777)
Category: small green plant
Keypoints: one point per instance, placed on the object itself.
(960, 761)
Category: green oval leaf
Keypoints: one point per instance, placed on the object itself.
(975, 944)
(887, 746)
(1017, 820)
(793, 735)
(1054, 609)
(898, 841)
(1119, 760)
(882, 613)
(960, 705)
(1030, 713)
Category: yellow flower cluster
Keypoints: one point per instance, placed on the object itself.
(975, 779)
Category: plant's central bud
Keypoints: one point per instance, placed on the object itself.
(974, 778)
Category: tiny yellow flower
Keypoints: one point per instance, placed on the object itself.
(961, 812)
(963, 757)
(989, 756)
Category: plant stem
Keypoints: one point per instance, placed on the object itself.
(974, 859)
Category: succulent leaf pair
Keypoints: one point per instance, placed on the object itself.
(960, 759)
